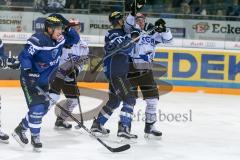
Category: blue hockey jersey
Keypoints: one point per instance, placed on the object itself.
(41, 54)
(118, 63)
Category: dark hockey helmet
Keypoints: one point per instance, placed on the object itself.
(61, 18)
(148, 27)
(52, 22)
(135, 32)
(114, 17)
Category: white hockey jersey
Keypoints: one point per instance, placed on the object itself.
(147, 44)
(73, 57)
(144, 50)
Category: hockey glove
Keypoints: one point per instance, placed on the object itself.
(135, 7)
(13, 63)
(150, 27)
(68, 46)
(160, 25)
(30, 77)
(72, 76)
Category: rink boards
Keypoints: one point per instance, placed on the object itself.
(200, 68)
(212, 71)
(189, 70)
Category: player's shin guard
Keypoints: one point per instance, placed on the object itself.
(97, 126)
(55, 97)
(151, 118)
(124, 126)
(61, 122)
(34, 119)
(3, 137)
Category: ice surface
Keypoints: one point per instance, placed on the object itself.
(213, 133)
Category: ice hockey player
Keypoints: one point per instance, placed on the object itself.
(39, 62)
(141, 74)
(5, 62)
(116, 68)
(71, 64)
(3, 136)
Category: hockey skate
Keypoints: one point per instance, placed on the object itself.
(98, 130)
(37, 145)
(62, 124)
(151, 131)
(19, 135)
(4, 137)
(124, 133)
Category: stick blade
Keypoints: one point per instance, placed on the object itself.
(120, 149)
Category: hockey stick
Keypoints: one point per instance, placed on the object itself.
(115, 51)
(79, 105)
(118, 149)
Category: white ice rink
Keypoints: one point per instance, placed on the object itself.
(213, 133)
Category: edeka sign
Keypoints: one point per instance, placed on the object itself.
(203, 68)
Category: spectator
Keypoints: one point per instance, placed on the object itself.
(56, 5)
(83, 4)
(177, 3)
(233, 10)
(196, 6)
(71, 4)
(41, 5)
(185, 8)
(8, 2)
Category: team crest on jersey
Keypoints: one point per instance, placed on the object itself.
(54, 53)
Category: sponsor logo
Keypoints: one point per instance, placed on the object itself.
(198, 67)
(218, 28)
(52, 63)
(201, 27)
(100, 26)
(11, 21)
(178, 32)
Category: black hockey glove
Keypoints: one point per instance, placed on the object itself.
(150, 27)
(160, 25)
(68, 46)
(30, 77)
(135, 7)
(72, 76)
(13, 63)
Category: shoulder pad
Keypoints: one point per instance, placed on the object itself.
(36, 39)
